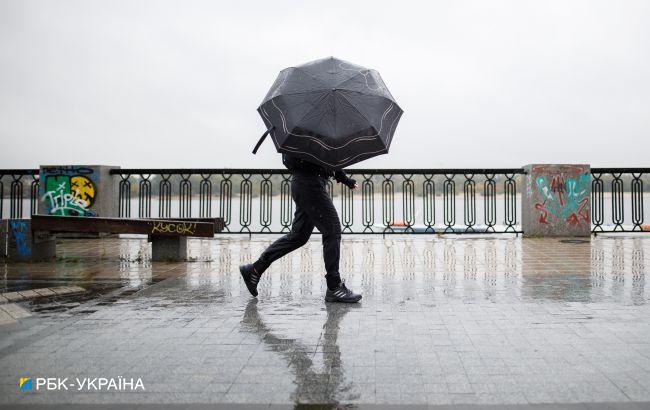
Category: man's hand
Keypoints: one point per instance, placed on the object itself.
(351, 183)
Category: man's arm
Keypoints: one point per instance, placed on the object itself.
(342, 177)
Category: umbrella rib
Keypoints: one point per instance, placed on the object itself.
(313, 76)
(390, 130)
(383, 117)
(355, 108)
(321, 143)
(320, 90)
(325, 94)
(358, 73)
(371, 95)
(324, 84)
(365, 77)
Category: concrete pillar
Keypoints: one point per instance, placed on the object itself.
(22, 246)
(556, 200)
(78, 190)
(168, 248)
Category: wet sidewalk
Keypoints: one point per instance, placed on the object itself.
(496, 320)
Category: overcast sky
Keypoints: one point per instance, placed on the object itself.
(177, 83)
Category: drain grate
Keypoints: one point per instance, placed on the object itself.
(574, 241)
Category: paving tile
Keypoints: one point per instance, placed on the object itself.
(6, 318)
(443, 321)
(28, 294)
(12, 296)
(15, 311)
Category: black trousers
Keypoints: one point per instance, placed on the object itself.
(314, 208)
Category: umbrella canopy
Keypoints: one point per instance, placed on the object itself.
(330, 112)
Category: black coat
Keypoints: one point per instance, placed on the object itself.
(300, 166)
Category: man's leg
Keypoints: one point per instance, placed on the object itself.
(313, 198)
(301, 230)
(322, 213)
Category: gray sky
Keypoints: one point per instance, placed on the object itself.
(177, 83)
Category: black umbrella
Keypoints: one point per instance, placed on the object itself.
(330, 112)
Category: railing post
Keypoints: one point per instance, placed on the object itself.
(556, 200)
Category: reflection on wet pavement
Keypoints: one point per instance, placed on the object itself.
(315, 382)
(443, 320)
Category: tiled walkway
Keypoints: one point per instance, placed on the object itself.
(442, 321)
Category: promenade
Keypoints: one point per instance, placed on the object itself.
(443, 321)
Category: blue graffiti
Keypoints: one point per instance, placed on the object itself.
(19, 230)
(564, 198)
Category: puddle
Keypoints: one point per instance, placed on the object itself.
(48, 306)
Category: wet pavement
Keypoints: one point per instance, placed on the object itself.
(443, 321)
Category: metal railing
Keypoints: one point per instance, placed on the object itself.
(424, 194)
(440, 201)
(15, 180)
(611, 183)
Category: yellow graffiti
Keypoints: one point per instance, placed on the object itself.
(84, 189)
(182, 228)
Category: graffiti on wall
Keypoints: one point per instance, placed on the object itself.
(563, 195)
(70, 191)
(19, 232)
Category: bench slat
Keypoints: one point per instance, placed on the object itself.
(85, 224)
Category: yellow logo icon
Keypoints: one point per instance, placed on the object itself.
(25, 383)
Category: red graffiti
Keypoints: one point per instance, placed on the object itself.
(558, 185)
(582, 214)
(572, 219)
(543, 213)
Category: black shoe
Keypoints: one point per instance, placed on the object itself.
(251, 278)
(342, 294)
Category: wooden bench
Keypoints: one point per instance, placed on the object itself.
(34, 239)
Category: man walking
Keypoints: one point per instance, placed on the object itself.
(314, 208)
